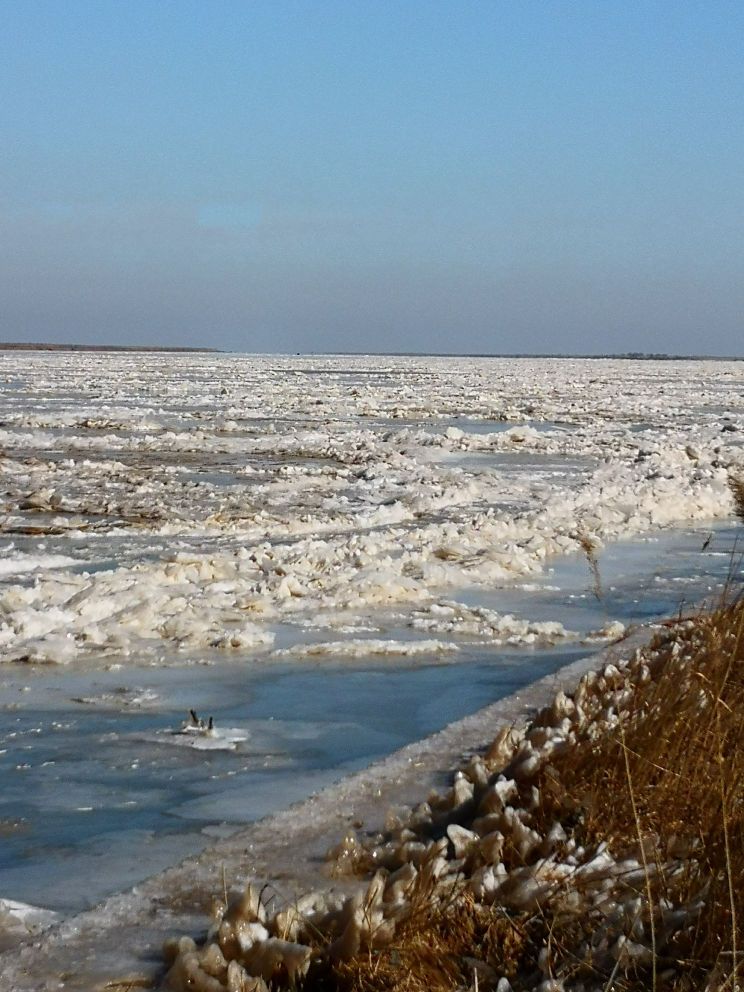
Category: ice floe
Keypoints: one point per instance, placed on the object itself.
(19, 918)
(189, 503)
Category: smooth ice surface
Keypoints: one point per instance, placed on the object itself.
(332, 556)
(85, 783)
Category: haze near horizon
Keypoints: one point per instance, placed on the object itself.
(347, 176)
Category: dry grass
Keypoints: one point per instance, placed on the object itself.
(590, 550)
(675, 779)
(437, 949)
(736, 485)
(666, 788)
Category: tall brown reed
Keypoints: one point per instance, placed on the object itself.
(671, 786)
(736, 485)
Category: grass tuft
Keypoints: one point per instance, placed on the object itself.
(736, 485)
(590, 548)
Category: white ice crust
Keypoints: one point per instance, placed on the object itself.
(182, 504)
(20, 915)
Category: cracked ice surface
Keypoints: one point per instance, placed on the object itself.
(157, 506)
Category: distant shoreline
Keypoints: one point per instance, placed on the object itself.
(38, 346)
(631, 356)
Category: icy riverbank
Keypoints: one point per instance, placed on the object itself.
(597, 845)
(98, 790)
(120, 940)
(315, 551)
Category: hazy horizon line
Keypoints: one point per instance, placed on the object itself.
(190, 349)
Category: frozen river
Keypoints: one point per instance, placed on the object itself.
(329, 556)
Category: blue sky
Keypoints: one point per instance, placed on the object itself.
(368, 176)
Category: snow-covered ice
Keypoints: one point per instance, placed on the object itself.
(172, 504)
